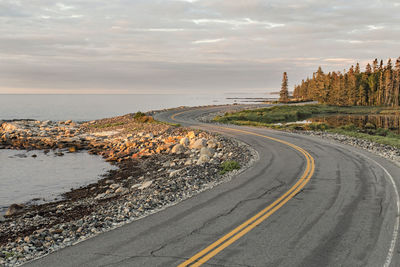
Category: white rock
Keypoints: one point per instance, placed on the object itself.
(100, 196)
(184, 141)
(121, 190)
(173, 173)
(199, 143)
(203, 159)
(211, 143)
(145, 184)
(114, 186)
(178, 149)
(136, 186)
(207, 151)
(109, 191)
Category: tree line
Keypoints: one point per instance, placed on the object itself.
(378, 85)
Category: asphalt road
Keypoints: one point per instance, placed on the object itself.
(337, 206)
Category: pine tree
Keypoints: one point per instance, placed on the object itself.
(351, 87)
(284, 94)
(388, 93)
(357, 69)
(396, 84)
(375, 65)
(381, 89)
(368, 69)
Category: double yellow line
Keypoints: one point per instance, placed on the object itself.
(219, 245)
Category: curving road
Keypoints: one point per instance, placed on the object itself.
(305, 202)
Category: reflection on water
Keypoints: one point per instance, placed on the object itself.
(390, 122)
(35, 175)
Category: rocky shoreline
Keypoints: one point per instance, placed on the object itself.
(158, 165)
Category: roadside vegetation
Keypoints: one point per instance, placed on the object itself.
(293, 113)
(228, 166)
(292, 117)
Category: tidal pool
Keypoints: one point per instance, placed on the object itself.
(44, 177)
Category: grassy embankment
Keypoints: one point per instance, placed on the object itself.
(283, 118)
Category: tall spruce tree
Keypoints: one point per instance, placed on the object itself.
(396, 84)
(375, 65)
(284, 93)
(368, 69)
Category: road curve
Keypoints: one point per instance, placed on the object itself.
(344, 212)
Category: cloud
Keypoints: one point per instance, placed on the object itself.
(62, 6)
(375, 27)
(238, 22)
(205, 41)
(187, 45)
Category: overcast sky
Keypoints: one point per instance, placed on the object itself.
(186, 46)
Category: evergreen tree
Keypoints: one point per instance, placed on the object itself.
(284, 94)
(388, 93)
(368, 69)
(396, 84)
(375, 65)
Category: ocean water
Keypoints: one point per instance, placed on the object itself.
(91, 107)
(24, 178)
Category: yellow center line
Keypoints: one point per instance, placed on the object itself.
(219, 245)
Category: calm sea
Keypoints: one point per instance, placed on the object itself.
(91, 107)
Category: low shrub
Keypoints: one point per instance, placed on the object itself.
(228, 166)
(139, 115)
(349, 127)
(369, 125)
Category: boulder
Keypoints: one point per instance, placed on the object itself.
(100, 196)
(191, 135)
(14, 209)
(207, 151)
(212, 144)
(203, 159)
(184, 141)
(8, 127)
(199, 143)
(135, 186)
(145, 184)
(174, 173)
(114, 186)
(178, 149)
(121, 190)
(45, 123)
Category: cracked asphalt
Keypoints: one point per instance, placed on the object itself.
(344, 216)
